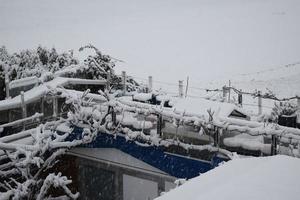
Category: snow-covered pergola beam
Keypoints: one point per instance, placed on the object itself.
(37, 92)
(20, 121)
(231, 124)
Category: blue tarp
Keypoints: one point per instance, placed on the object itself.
(175, 165)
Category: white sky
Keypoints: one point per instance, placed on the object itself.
(169, 39)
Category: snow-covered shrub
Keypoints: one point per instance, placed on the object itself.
(287, 108)
(99, 65)
(34, 62)
(46, 64)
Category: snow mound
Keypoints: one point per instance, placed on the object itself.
(275, 177)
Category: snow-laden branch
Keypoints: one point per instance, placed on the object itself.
(28, 162)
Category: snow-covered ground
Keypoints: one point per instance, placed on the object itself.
(275, 177)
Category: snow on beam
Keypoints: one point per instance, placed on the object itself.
(36, 93)
(20, 121)
(17, 136)
(23, 82)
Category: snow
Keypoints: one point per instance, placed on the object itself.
(36, 117)
(129, 119)
(195, 106)
(261, 178)
(249, 142)
(35, 93)
(24, 82)
(142, 97)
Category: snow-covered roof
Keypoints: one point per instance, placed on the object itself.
(197, 106)
(36, 92)
(275, 177)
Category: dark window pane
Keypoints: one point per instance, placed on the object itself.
(96, 183)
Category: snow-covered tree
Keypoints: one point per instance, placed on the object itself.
(35, 62)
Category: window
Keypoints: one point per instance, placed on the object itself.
(136, 188)
(96, 183)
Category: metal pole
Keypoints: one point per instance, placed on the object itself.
(274, 145)
(150, 82)
(259, 103)
(180, 88)
(159, 124)
(124, 82)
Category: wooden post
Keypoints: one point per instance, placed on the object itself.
(23, 105)
(259, 103)
(180, 88)
(240, 98)
(229, 88)
(224, 89)
(55, 107)
(114, 117)
(216, 137)
(124, 82)
(187, 86)
(7, 85)
(108, 80)
(150, 82)
(274, 145)
(159, 124)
